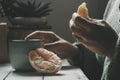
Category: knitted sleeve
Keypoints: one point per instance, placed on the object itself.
(87, 61)
(114, 67)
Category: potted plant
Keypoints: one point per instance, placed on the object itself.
(19, 9)
(25, 15)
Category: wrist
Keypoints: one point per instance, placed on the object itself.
(112, 47)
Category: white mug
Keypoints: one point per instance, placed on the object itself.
(18, 53)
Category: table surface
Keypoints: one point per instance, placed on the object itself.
(67, 72)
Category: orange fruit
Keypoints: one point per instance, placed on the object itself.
(83, 10)
(45, 61)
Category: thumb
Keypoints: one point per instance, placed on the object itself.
(52, 45)
(56, 48)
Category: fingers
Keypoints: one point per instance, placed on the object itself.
(31, 36)
(45, 36)
(87, 24)
(85, 28)
(56, 48)
(79, 38)
(73, 25)
(78, 31)
(81, 22)
(51, 46)
(74, 16)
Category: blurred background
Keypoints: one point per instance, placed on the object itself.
(19, 24)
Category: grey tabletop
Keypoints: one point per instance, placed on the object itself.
(67, 72)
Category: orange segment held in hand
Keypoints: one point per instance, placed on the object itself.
(83, 10)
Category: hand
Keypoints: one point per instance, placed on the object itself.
(54, 43)
(94, 34)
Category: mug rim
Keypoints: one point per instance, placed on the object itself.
(22, 40)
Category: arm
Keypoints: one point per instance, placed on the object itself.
(55, 43)
(87, 61)
(95, 35)
(80, 56)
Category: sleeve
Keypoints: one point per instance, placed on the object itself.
(87, 61)
(114, 67)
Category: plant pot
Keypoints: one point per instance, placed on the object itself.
(28, 21)
(22, 26)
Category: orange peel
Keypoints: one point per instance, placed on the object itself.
(45, 61)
